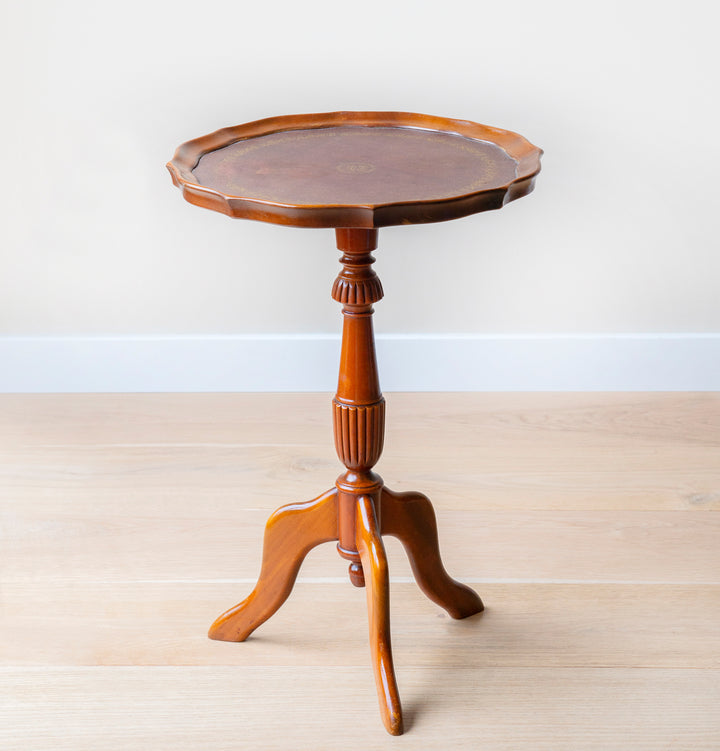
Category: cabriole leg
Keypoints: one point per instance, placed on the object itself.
(374, 561)
(290, 534)
(411, 518)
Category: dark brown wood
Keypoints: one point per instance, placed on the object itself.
(355, 169)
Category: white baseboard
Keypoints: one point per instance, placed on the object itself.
(442, 362)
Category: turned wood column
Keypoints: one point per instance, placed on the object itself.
(358, 406)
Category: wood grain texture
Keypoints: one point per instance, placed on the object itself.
(196, 708)
(524, 625)
(515, 451)
(86, 539)
(587, 521)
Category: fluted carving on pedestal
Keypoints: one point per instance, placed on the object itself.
(357, 284)
(357, 291)
(359, 433)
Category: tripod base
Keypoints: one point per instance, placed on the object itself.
(293, 530)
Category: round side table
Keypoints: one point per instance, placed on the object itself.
(355, 172)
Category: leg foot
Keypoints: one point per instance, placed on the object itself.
(291, 532)
(374, 562)
(411, 518)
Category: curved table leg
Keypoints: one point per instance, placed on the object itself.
(290, 533)
(374, 561)
(411, 518)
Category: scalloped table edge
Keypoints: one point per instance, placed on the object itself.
(526, 156)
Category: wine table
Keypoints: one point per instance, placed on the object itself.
(355, 172)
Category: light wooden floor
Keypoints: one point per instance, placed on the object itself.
(588, 523)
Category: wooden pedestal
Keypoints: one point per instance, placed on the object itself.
(359, 509)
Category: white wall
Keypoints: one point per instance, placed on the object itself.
(620, 236)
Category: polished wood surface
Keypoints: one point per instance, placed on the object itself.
(589, 521)
(355, 169)
(358, 406)
(290, 534)
(377, 578)
(359, 508)
(410, 517)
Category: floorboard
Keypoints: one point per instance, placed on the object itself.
(587, 522)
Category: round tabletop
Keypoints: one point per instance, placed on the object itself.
(355, 169)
